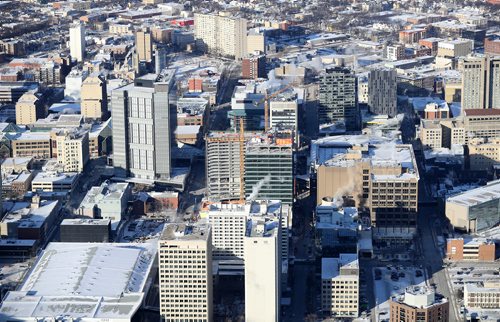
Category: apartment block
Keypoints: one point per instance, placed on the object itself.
(395, 52)
(221, 35)
(253, 67)
(77, 42)
(186, 294)
(72, 150)
(453, 133)
(419, 303)
(470, 249)
(431, 43)
(485, 295)
(338, 101)
(144, 45)
(94, 97)
(340, 286)
(411, 36)
(29, 108)
(10, 92)
(382, 88)
(141, 128)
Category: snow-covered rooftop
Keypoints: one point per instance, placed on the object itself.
(83, 280)
(477, 196)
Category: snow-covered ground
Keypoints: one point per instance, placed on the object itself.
(385, 288)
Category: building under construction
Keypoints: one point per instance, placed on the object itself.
(225, 165)
(249, 166)
(269, 168)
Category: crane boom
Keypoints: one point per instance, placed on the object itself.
(266, 99)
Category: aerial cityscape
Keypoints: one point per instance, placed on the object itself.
(250, 160)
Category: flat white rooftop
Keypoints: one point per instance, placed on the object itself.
(477, 196)
(88, 281)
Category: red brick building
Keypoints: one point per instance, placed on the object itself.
(480, 250)
(419, 303)
(254, 67)
(492, 46)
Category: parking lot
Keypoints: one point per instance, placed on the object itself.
(12, 273)
(391, 280)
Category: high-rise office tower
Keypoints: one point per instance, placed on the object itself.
(77, 42)
(221, 35)
(262, 281)
(480, 82)
(338, 101)
(94, 98)
(141, 128)
(382, 92)
(185, 279)
(143, 45)
(269, 169)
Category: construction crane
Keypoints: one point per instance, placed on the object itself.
(266, 99)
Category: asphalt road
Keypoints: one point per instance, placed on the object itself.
(302, 273)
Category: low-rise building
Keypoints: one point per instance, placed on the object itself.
(84, 281)
(336, 226)
(455, 48)
(85, 230)
(340, 286)
(470, 249)
(33, 221)
(50, 181)
(16, 184)
(483, 153)
(31, 144)
(430, 134)
(484, 295)
(108, 201)
(419, 303)
(475, 210)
